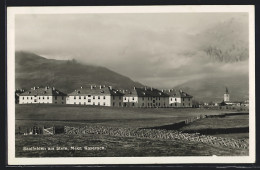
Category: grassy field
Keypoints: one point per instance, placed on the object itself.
(64, 115)
(107, 116)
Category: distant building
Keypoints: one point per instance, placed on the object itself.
(100, 96)
(42, 95)
(226, 96)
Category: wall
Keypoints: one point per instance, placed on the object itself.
(34, 99)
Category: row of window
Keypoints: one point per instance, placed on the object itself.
(44, 98)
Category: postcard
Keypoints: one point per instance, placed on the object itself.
(131, 85)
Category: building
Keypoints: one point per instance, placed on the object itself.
(42, 95)
(150, 97)
(226, 96)
(100, 96)
(179, 98)
(145, 97)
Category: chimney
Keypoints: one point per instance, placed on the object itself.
(91, 87)
(151, 88)
(110, 87)
(181, 90)
(34, 88)
(53, 88)
(162, 90)
(100, 87)
(46, 88)
(134, 88)
(81, 87)
(145, 88)
(169, 90)
(123, 91)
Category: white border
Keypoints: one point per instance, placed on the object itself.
(12, 11)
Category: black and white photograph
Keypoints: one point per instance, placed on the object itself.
(131, 85)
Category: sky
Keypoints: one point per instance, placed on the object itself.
(154, 49)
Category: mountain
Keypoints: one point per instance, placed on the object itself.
(224, 47)
(66, 75)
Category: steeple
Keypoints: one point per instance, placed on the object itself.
(227, 90)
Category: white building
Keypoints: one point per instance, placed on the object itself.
(150, 97)
(42, 95)
(100, 96)
(226, 96)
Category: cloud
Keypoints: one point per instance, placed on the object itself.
(149, 48)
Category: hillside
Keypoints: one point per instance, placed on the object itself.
(33, 70)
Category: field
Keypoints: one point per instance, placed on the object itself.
(79, 116)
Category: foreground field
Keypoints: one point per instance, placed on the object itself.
(28, 116)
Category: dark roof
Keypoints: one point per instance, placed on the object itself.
(43, 92)
(145, 92)
(103, 91)
(179, 93)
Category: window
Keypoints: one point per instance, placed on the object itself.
(133, 104)
(84, 97)
(171, 99)
(104, 103)
(39, 98)
(62, 98)
(148, 98)
(175, 104)
(93, 103)
(55, 102)
(156, 98)
(104, 97)
(183, 104)
(143, 104)
(125, 98)
(159, 98)
(182, 99)
(189, 99)
(148, 104)
(133, 98)
(84, 103)
(98, 103)
(143, 98)
(62, 102)
(31, 97)
(42, 97)
(93, 97)
(79, 97)
(189, 104)
(55, 97)
(175, 99)
(113, 97)
(113, 103)
(47, 97)
(89, 100)
(34, 100)
(74, 97)
(119, 97)
(27, 97)
(98, 97)
(119, 103)
(74, 102)
(79, 102)
(171, 104)
(89, 95)
(156, 104)
(159, 104)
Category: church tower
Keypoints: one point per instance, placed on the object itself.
(226, 95)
